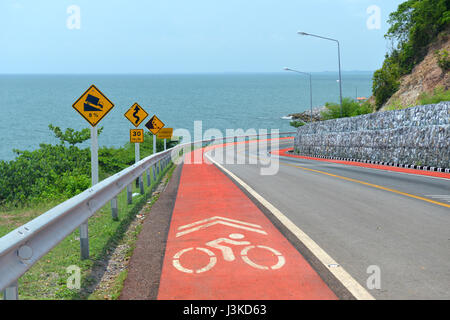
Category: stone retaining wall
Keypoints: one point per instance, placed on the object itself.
(413, 136)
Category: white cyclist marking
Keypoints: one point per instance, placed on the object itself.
(228, 254)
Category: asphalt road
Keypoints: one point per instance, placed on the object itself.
(360, 223)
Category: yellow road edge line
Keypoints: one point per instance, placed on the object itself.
(369, 184)
(358, 291)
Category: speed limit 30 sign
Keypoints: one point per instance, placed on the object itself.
(137, 135)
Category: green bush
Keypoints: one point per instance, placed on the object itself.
(443, 60)
(385, 82)
(297, 124)
(350, 108)
(35, 174)
(59, 172)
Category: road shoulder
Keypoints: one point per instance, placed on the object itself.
(145, 266)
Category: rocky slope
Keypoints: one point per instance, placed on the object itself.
(425, 77)
(306, 115)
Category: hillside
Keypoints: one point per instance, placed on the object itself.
(425, 77)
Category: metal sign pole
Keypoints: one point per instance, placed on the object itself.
(136, 159)
(165, 144)
(84, 230)
(154, 143)
(137, 150)
(94, 155)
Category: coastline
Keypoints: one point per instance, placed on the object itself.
(305, 116)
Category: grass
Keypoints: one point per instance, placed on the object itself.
(397, 105)
(14, 218)
(438, 95)
(47, 279)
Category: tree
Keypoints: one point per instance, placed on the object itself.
(414, 25)
(72, 136)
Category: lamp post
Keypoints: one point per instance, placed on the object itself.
(339, 58)
(310, 87)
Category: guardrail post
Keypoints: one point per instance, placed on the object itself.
(154, 172)
(149, 180)
(114, 209)
(257, 144)
(157, 167)
(129, 194)
(141, 184)
(84, 241)
(12, 292)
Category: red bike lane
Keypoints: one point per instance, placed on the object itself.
(285, 153)
(221, 246)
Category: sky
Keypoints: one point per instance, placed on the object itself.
(191, 36)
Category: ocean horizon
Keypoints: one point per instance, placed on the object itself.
(222, 100)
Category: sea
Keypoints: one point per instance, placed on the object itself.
(29, 103)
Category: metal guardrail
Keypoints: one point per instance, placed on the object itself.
(23, 247)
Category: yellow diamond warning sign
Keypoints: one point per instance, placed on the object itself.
(154, 125)
(136, 114)
(137, 135)
(93, 105)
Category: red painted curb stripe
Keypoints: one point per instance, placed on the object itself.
(284, 153)
(205, 192)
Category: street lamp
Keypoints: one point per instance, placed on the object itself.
(310, 87)
(339, 58)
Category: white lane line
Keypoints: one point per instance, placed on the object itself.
(440, 197)
(358, 291)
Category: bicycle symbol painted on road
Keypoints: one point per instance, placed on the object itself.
(228, 254)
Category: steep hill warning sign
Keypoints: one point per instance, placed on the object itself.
(93, 105)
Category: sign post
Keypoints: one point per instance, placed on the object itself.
(93, 106)
(136, 114)
(154, 125)
(165, 133)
